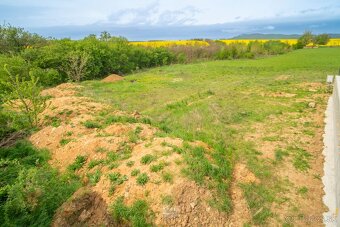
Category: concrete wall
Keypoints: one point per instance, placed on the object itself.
(336, 117)
(331, 178)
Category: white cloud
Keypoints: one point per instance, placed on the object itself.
(161, 12)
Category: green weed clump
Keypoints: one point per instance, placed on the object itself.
(167, 200)
(116, 179)
(167, 177)
(78, 163)
(142, 179)
(64, 141)
(94, 163)
(157, 168)
(135, 172)
(92, 124)
(94, 177)
(130, 163)
(147, 159)
(138, 214)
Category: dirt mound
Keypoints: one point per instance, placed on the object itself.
(111, 158)
(66, 89)
(85, 208)
(112, 78)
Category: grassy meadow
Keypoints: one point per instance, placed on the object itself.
(220, 103)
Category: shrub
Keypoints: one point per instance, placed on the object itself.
(35, 196)
(24, 96)
(30, 190)
(77, 65)
(276, 47)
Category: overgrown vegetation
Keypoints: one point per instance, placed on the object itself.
(30, 190)
(20, 104)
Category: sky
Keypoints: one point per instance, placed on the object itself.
(161, 18)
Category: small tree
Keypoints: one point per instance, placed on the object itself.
(77, 65)
(105, 36)
(305, 39)
(24, 95)
(321, 39)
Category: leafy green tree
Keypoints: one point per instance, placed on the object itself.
(321, 39)
(305, 39)
(105, 36)
(14, 40)
(24, 96)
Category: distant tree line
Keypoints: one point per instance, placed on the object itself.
(56, 61)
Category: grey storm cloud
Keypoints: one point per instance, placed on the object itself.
(152, 15)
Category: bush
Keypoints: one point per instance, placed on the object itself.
(276, 47)
(30, 190)
(321, 39)
(304, 40)
(24, 95)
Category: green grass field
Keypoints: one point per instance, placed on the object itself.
(218, 102)
(205, 100)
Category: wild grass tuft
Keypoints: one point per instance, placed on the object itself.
(147, 159)
(138, 214)
(142, 179)
(78, 163)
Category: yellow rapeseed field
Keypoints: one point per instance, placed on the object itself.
(332, 42)
(246, 41)
(170, 43)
